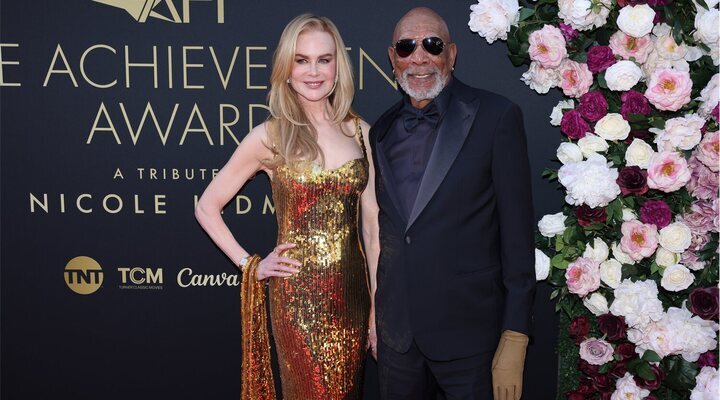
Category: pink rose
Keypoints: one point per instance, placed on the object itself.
(575, 78)
(639, 240)
(547, 46)
(703, 182)
(583, 276)
(680, 133)
(708, 152)
(690, 259)
(669, 89)
(628, 47)
(668, 171)
(596, 351)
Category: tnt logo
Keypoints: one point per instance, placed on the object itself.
(141, 276)
(83, 275)
(165, 10)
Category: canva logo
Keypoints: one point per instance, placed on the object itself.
(164, 10)
(83, 275)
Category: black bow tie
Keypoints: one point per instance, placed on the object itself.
(412, 117)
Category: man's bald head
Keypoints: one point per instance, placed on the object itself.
(422, 16)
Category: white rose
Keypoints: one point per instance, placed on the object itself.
(596, 303)
(707, 384)
(668, 49)
(638, 154)
(492, 19)
(590, 182)
(611, 272)
(638, 302)
(599, 251)
(569, 153)
(542, 265)
(628, 214)
(627, 389)
(620, 256)
(557, 111)
(706, 25)
(541, 79)
(552, 224)
(679, 133)
(636, 21)
(676, 237)
(584, 14)
(591, 144)
(665, 257)
(612, 127)
(623, 75)
(676, 278)
(709, 97)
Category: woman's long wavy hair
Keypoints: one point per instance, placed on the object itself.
(292, 136)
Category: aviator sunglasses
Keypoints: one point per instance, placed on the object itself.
(433, 45)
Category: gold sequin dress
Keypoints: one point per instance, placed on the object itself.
(320, 316)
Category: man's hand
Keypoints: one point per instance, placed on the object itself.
(507, 366)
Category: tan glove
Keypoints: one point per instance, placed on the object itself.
(507, 366)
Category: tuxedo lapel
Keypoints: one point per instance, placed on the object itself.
(453, 130)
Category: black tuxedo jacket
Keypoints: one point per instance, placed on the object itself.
(460, 269)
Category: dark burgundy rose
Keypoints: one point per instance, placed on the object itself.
(568, 32)
(625, 351)
(618, 370)
(599, 58)
(632, 180)
(704, 129)
(650, 397)
(602, 383)
(655, 384)
(623, 3)
(587, 368)
(716, 113)
(642, 134)
(704, 303)
(634, 102)
(579, 328)
(708, 359)
(593, 106)
(656, 212)
(587, 215)
(612, 326)
(574, 395)
(658, 3)
(573, 125)
(606, 395)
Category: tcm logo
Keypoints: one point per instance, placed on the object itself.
(165, 10)
(83, 275)
(141, 278)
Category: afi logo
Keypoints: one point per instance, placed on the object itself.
(162, 9)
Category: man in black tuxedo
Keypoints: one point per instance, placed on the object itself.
(455, 278)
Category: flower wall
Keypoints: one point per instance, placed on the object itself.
(633, 254)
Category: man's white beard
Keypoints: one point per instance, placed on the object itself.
(427, 94)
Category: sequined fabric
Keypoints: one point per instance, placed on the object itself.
(257, 379)
(319, 316)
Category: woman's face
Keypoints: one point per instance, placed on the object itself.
(314, 66)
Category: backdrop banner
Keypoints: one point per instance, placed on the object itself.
(114, 117)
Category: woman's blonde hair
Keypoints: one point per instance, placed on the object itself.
(292, 136)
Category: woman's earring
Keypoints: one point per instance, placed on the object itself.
(288, 81)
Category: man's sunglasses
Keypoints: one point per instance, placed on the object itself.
(433, 45)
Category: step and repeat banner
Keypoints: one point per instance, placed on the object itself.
(114, 117)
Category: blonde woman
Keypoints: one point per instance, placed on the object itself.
(314, 149)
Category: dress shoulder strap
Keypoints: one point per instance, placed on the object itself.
(359, 136)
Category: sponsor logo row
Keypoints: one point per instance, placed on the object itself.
(83, 275)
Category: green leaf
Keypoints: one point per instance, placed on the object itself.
(601, 80)
(657, 122)
(651, 356)
(680, 373)
(703, 4)
(518, 60)
(645, 371)
(559, 262)
(559, 244)
(526, 13)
